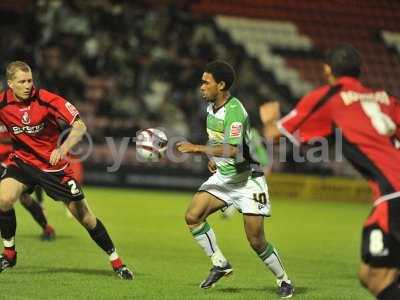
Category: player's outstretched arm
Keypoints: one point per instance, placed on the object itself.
(77, 132)
(269, 115)
(224, 150)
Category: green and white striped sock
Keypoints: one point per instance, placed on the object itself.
(272, 260)
(205, 237)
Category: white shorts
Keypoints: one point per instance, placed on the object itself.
(248, 197)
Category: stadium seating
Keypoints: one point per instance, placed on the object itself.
(261, 37)
(327, 23)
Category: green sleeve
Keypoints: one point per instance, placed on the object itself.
(260, 151)
(235, 126)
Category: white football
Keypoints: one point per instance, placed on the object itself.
(151, 144)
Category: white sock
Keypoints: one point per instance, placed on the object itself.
(113, 256)
(205, 237)
(9, 243)
(218, 259)
(272, 260)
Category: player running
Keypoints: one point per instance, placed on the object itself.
(238, 180)
(34, 207)
(368, 121)
(35, 119)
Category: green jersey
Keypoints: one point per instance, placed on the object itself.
(230, 125)
(260, 150)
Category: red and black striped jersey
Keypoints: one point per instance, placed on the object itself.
(34, 125)
(369, 120)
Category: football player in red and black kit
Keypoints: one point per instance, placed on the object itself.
(369, 122)
(34, 207)
(34, 119)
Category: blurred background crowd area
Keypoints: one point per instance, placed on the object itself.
(129, 65)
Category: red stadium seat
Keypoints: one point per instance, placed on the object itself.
(328, 23)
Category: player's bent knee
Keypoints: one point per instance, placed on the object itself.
(376, 279)
(192, 218)
(367, 278)
(10, 191)
(371, 284)
(7, 201)
(363, 277)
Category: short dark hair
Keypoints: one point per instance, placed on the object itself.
(14, 66)
(344, 60)
(221, 71)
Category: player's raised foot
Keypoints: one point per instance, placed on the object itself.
(8, 259)
(124, 273)
(285, 289)
(216, 273)
(48, 233)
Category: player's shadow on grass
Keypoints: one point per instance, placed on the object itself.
(40, 270)
(37, 237)
(64, 270)
(272, 290)
(53, 271)
(97, 272)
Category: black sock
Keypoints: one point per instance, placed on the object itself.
(100, 236)
(392, 292)
(37, 212)
(39, 194)
(8, 224)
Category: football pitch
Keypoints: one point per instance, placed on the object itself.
(318, 241)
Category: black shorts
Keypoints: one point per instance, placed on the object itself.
(3, 170)
(381, 236)
(58, 185)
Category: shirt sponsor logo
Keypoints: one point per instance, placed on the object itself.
(72, 109)
(350, 97)
(28, 129)
(236, 129)
(25, 118)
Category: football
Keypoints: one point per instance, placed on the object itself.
(151, 144)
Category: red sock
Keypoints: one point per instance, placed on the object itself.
(48, 228)
(9, 253)
(116, 263)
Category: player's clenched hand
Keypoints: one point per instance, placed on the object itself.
(270, 111)
(184, 147)
(56, 156)
(212, 166)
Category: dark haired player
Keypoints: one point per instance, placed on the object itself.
(237, 179)
(34, 118)
(368, 121)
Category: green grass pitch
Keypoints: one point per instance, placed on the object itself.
(318, 241)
